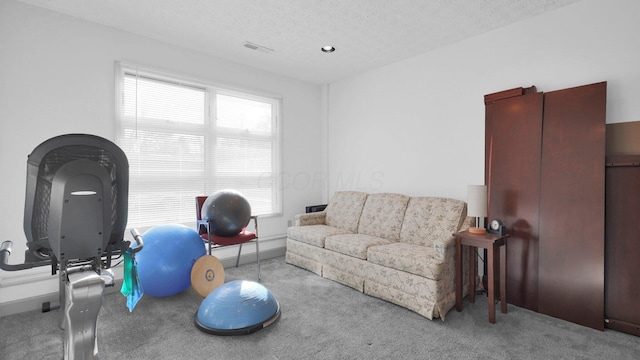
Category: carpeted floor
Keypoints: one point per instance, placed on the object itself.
(320, 319)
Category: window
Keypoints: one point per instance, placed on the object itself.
(186, 138)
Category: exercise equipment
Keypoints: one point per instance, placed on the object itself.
(207, 275)
(227, 211)
(238, 307)
(165, 263)
(205, 227)
(75, 216)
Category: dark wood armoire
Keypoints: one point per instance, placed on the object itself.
(544, 167)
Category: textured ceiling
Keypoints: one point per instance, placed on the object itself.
(366, 33)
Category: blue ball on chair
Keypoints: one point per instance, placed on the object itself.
(228, 211)
(166, 260)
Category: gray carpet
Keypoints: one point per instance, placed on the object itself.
(320, 319)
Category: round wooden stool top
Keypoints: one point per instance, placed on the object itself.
(206, 275)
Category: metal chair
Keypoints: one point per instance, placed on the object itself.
(74, 220)
(215, 241)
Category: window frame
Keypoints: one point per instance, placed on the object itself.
(209, 127)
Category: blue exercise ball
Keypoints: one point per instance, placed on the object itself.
(236, 308)
(166, 260)
(228, 212)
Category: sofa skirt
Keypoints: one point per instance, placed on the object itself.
(427, 297)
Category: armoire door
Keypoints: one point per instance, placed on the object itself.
(572, 203)
(514, 135)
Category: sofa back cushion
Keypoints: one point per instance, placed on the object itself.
(382, 215)
(344, 209)
(431, 218)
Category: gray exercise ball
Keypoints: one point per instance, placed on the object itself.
(228, 212)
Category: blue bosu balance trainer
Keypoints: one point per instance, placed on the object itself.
(237, 308)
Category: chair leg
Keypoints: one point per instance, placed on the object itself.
(238, 259)
(209, 236)
(258, 258)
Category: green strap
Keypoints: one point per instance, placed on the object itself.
(127, 283)
(131, 287)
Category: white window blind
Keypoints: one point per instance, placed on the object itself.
(185, 139)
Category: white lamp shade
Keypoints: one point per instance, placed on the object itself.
(477, 201)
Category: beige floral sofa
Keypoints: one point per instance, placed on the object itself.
(391, 246)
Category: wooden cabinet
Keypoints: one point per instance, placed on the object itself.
(622, 268)
(545, 174)
(622, 247)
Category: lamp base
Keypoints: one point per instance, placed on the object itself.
(477, 230)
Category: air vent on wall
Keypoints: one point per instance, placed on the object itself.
(257, 47)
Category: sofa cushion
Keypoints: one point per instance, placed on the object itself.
(355, 245)
(382, 215)
(313, 234)
(414, 259)
(344, 209)
(430, 218)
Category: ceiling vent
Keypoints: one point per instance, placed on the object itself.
(256, 47)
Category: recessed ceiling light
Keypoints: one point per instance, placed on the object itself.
(328, 49)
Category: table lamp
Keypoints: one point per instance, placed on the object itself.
(477, 206)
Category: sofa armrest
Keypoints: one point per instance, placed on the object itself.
(315, 218)
(446, 244)
(468, 222)
(443, 246)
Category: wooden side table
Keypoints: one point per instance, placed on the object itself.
(492, 243)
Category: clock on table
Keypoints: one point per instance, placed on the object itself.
(497, 227)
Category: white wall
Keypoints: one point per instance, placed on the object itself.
(57, 76)
(417, 126)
